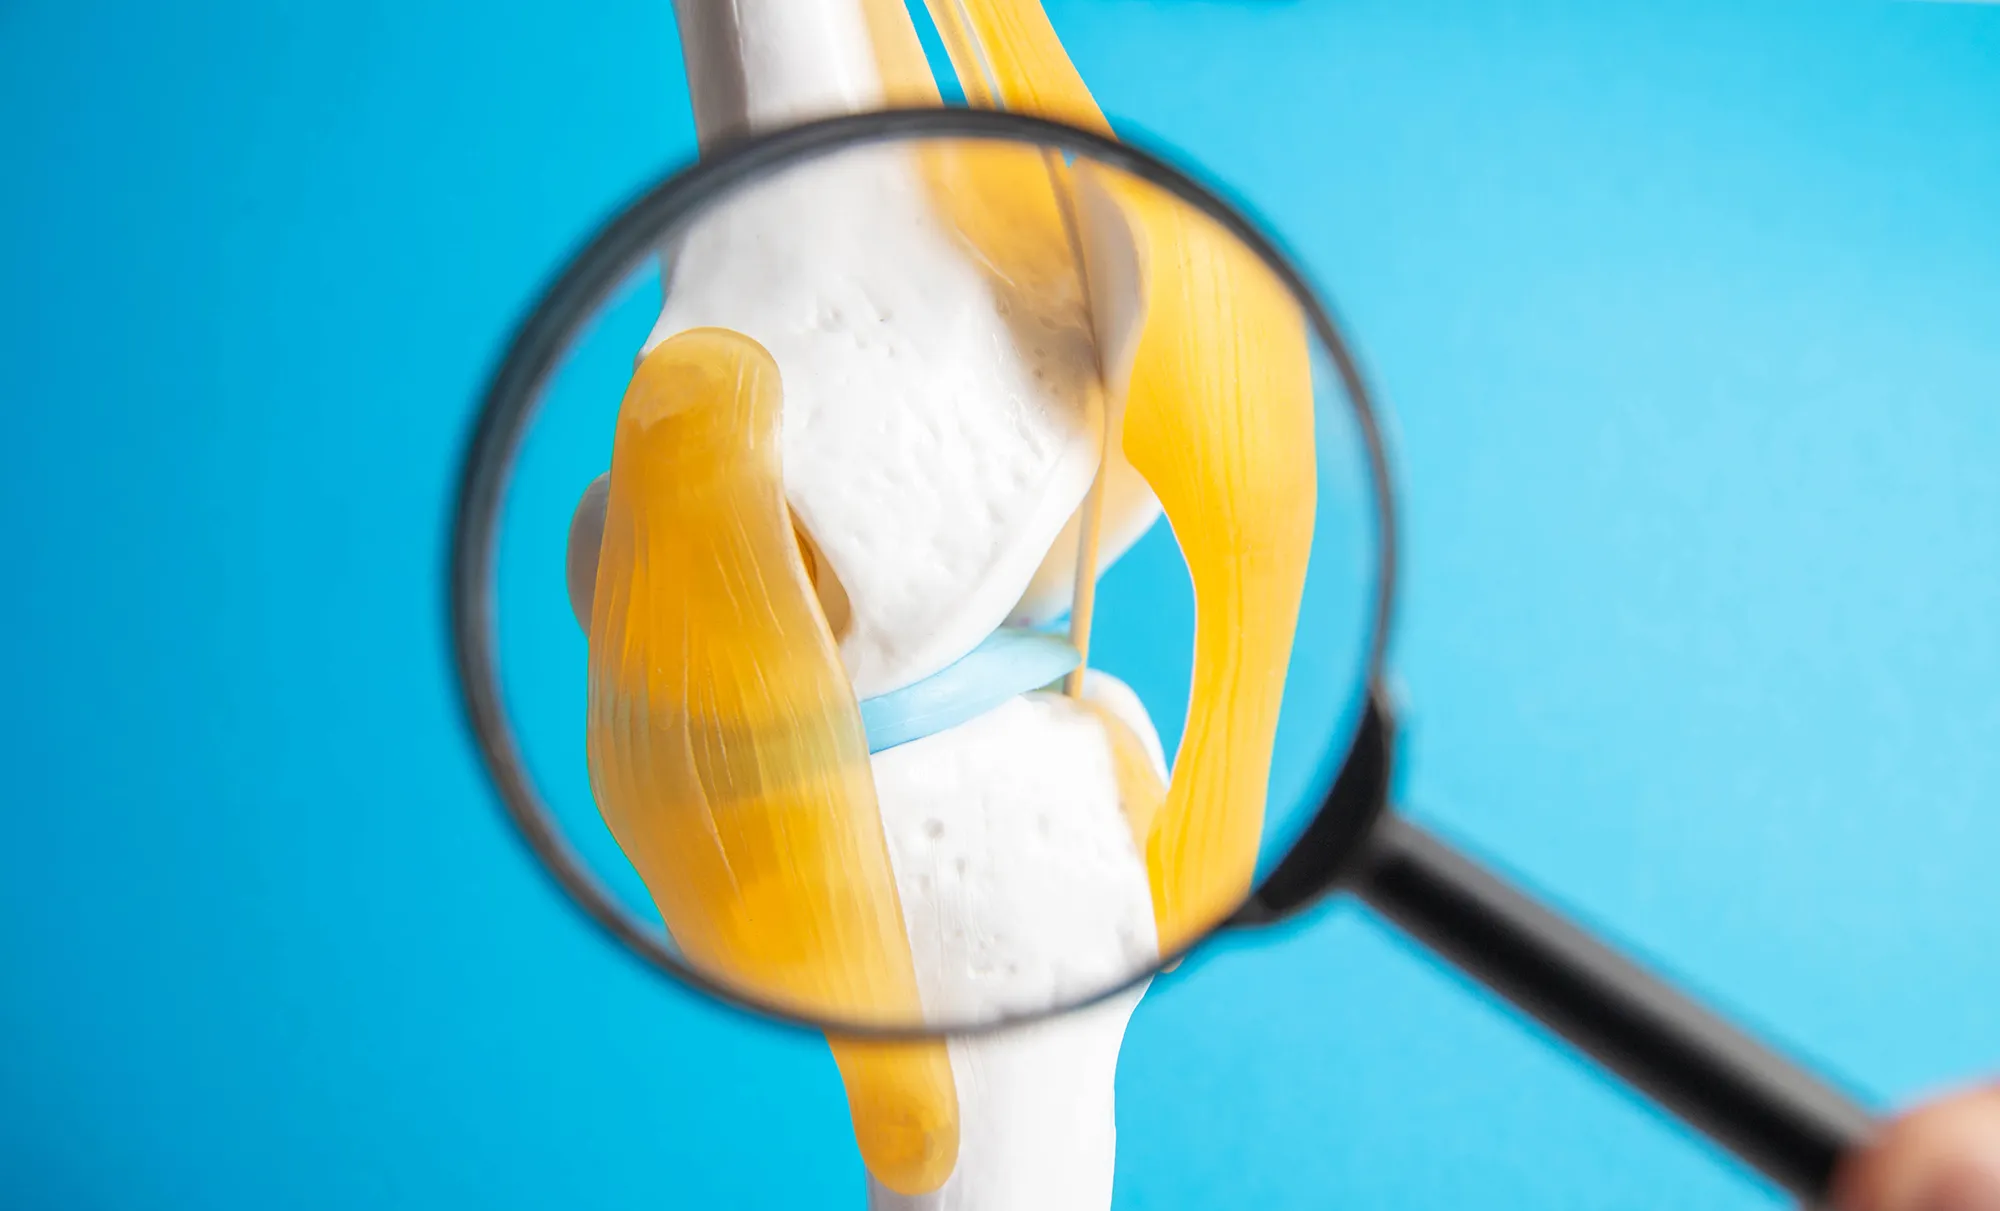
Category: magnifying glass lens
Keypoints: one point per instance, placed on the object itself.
(935, 573)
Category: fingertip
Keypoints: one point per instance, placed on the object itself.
(1944, 1156)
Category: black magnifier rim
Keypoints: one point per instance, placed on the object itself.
(567, 306)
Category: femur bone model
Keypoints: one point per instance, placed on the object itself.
(901, 407)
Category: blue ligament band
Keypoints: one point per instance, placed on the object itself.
(1011, 661)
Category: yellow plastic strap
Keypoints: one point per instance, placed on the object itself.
(899, 55)
(1000, 200)
(1219, 422)
(726, 746)
(1007, 56)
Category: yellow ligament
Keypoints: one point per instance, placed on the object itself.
(1011, 203)
(726, 748)
(1219, 422)
(1014, 206)
(998, 199)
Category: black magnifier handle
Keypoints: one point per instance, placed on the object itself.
(1781, 1119)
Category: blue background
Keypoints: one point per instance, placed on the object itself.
(1689, 316)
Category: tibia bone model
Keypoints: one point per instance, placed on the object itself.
(896, 399)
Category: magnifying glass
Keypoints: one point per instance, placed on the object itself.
(793, 705)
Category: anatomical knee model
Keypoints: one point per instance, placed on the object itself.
(901, 407)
